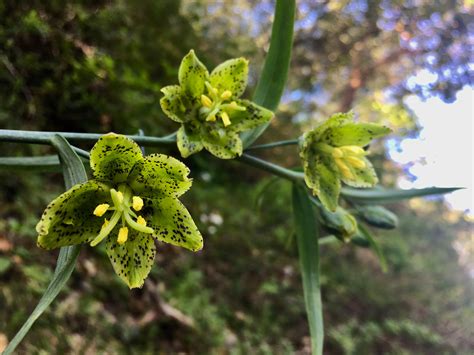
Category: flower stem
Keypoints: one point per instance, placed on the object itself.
(274, 144)
(271, 168)
(7, 135)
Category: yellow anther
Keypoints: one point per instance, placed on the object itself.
(137, 203)
(226, 95)
(225, 118)
(353, 149)
(122, 235)
(101, 209)
(345, 171)
(234, 106)
(211, 118)
(141, 221)
(337, 153)
(106, 222)
(206, 101)
(356, 162)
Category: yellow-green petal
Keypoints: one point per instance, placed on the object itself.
(113, 157)
(132, 260)
(321, 175)
(172, 104)
(192, 75)
(159, 175)
(253, 116)
(231, 75)
(359, 134)
(362, 177)
(172, 223)
(227, 146)
(69, 219)
(188, 142)
(336, 120)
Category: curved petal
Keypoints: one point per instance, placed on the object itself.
(228, 146)
(362, 177)
(253, 116)
(113, 157)
(133, 260)
(188, 142)
(328, 184)
(171, 103)
(335, 120)
(192, 75)
(68, 219)
(159, 175)
(231, 75)
(359, 134)
(172, 223)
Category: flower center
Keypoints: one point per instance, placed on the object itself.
(218, 104)
(123, 205)
(346, 158)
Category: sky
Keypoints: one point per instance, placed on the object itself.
(442, 155)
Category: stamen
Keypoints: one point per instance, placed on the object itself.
(337, 153)
(137, 203)
(353, 149)
(141, 221)
(356, 162)
(211, 118)
(101, 209)
(226, 95)
(122, 235)
(106, 222)
(225, 118)
(233, 106)
(206, 101)
(345, 171)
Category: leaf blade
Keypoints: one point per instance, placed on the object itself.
(275, 71)
(74, 173)
(308, 250)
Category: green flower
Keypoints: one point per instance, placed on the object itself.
(333, 151)
(131, 201)
(209, 107)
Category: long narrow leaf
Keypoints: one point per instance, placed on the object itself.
(275, 71)
(74, 173)
(308, 248)
(376, 196)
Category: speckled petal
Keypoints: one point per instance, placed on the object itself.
(329, 185)
(172, 223)
(68, 219)
(188, 143)
(192, 75)
(113, 157)
(159, 175)
(231, 75)
(336, 120)
(253, 116)
(359, 134)
(172, 105)
(227, 146)
(133, 260)
(364, 177)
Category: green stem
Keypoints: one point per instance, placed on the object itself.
(7, 135)
(274, 144)
(271, 168)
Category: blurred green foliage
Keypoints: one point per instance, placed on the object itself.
(97, 66)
